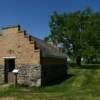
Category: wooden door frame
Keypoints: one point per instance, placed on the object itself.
(5, 69)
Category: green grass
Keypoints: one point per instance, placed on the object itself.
(83, 84)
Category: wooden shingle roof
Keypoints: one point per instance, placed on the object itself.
(47, 50)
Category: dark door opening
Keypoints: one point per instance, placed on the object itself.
(9, 66)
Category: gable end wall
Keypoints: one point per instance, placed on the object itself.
(16, 44)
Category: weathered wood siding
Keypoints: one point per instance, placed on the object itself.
(53, 70)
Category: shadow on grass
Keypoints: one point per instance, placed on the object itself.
(58, 81)
(85, 66)
(72, 65)
(90, 66)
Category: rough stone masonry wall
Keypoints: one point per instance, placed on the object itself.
(29, 74)
(1, 74)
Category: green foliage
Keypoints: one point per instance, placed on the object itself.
(78, 32)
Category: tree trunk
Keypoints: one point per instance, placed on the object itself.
(78, 60)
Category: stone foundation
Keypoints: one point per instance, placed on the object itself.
(37, 75)
(29, 75)
(1, 74)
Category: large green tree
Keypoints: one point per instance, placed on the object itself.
(77, 32)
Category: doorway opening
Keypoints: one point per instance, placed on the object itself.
(9, 67)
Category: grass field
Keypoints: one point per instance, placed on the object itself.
(83, 83)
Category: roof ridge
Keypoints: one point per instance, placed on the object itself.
(10, 26)
(49, 50)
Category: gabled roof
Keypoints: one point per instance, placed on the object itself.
(47, 50)
(10, 26)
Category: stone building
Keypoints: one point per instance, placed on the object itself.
(38, 62)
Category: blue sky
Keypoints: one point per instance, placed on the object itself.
(34, 15)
